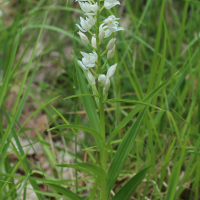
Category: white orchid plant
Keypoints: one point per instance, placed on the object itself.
(105, 175)
(91, 63)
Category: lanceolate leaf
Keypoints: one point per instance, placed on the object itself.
(84, 128)
(80, 95)
(133, 102)
(122, 152)
(67, 193)
(138, 108)
(196, 153)
(88, 168)
(128, 189)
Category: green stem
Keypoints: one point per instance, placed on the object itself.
(91, 33)
(101, 109)
(104, 64)
(92, 47)
(92, 196)
(104, 155)
(102, 9)
(104, 52)
(93, 72)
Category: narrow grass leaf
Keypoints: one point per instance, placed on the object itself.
(24, 184)
(128, 189)
(83, 128)
(134, 102)
(64, 191)
(81, 95)
(196, 153)
(87, 167)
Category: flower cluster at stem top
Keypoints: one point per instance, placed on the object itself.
(106, 28)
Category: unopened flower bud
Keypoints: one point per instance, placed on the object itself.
(102, 79)
(111, 44)
(83, 38)
(107, 86)
(101, 35)
(91, 77)
(111, 53)
(111, 71)
(94, 42)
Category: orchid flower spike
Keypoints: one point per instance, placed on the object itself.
(88, 60)
(110, 3)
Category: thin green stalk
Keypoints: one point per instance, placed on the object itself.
(101, 108)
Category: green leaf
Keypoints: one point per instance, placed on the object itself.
(83, 128)
(122, 152)
(133, 101)
(128, 189)
(138, 108)
(64, 191)
(87, 167)
(196, 153)
(81, 95)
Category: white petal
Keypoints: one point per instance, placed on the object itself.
(86, 55)
(90, 65)
(111, 70)
(82, 65)
(80, 28)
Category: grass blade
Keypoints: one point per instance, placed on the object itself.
(83, 128)
(128, 189)
(64, 191)
(87, 167)
(134, 102)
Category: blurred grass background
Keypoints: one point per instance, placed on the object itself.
(36, 42)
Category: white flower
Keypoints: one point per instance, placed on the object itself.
(111, 71)
(84, 38)
(86, 24)
(110, 26)
(91, 77)
(110, 3)
(88, 60)
(90, 20)
(89, 7)
(102, 79)
(94, 42)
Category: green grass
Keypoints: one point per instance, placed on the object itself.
(152, 116)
